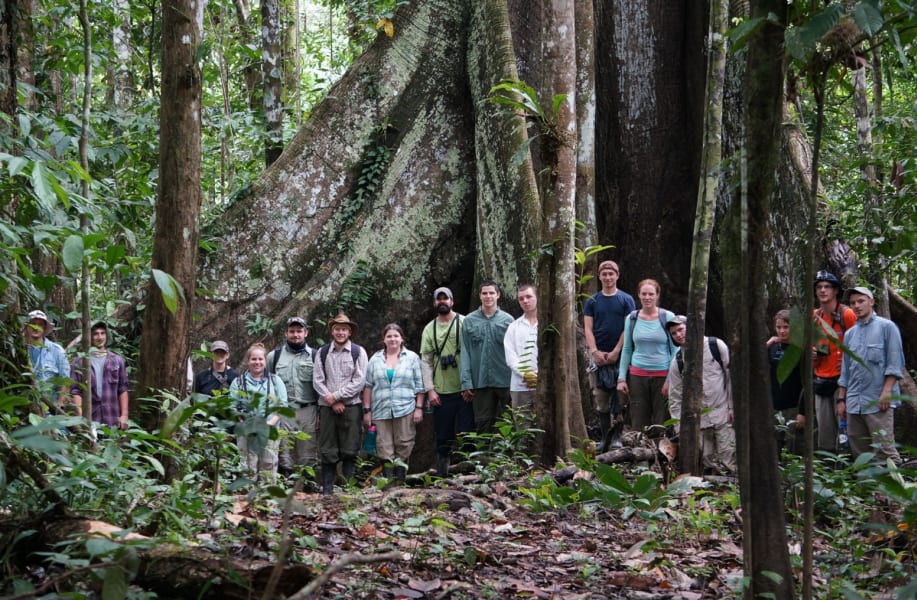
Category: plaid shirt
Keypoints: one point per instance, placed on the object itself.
(398, 397)
(339, 374)
(106, 408)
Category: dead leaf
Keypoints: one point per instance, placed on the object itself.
(425, 586)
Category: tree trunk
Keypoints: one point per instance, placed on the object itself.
(292, 60)
(764, 538)
(9, 34)
(123, 76)
(164, 346)
(690, 455)
(271, 78)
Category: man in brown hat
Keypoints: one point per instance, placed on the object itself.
(338, 377)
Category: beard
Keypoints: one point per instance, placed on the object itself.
(443, 309)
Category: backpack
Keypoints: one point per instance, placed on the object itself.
(836, 317)
(632, 320)
(323, 354)
(714, 350)
(275, 357)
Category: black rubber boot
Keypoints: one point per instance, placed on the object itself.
(329, 470)
(349, 468)
(387, 470)
(401, 473)
(604, 428)
(615, 435)
(442, 465)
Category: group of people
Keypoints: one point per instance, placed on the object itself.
(854, 390)
(470, 368)
(61, 383)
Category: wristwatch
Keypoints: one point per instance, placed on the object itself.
(366, 410)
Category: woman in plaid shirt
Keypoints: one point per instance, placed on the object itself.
(393, 401)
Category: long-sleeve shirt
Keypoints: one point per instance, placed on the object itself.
(483, 364)
(437, 341)
(647, 346)
(520, 349)
(717, 391)
(295, 368)
(107, 390)
(256, 396)
(339, 374)
(397, 397)
(877, 342)
(48, 361)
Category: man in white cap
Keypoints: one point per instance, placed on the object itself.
(866, 389)
(47, 359)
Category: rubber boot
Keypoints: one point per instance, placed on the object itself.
(329, 470)
(387, 470)
(442, 465)
(349, 468)
(401, 473)
(604, 428)
(615, 434)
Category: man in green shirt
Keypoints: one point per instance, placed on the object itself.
(485, 376)
(292, 362)
(440, 355)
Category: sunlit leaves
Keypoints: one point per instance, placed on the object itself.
(170, 289)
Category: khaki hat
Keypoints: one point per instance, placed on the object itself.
(38, 314)
(860, 290)
(342, 319)
(442, 290)
(219, 345)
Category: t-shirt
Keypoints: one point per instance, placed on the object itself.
(608, 314)
(827, 363)
(446, 380)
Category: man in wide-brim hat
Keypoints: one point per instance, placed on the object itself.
(46, 358)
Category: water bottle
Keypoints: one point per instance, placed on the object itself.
(369, 441)
(843, 442)
(427, 407)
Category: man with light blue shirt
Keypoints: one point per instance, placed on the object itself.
(47, 360)
(866, 389)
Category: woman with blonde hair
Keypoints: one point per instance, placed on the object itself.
(646, 354)
(256, 394)
(393, 401)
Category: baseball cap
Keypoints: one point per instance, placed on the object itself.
(609, 264)
(861, 290)
(219, 345)
(677, 320)
(442, 290)
(297, 321)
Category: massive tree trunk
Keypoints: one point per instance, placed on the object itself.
(164, 346)
(271, 78)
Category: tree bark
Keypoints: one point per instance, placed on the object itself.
(9, 32)
(764, 539)
(690, 455)
(271, 79)
(164, 346)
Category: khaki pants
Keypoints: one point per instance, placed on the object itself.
(395, 438)
(266, 461)
(874, 432)
(718, 445)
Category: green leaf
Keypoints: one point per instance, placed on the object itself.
(788, 362)
(73, 253)
(171, 291)
(100, 546)
(739, 35)
(112, 456)
(155, 463)
(176, 418)
(41, 185)
(115, 584)
(16, 165)
(868, 18)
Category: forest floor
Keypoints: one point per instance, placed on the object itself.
(467, 538)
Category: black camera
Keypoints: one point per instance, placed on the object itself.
(447, 361)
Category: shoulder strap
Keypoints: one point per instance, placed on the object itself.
(323, 353)
(679, 357)
(714, 345)
(354, 352)
(272, 368)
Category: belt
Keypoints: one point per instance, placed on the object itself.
(305, 404)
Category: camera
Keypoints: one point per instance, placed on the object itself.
(447, 361)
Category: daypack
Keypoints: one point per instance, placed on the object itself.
(323, 354)
(272, 368)
(836, 317)
(714, 350)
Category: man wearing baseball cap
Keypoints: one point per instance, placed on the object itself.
(292, 362)
(866, 389)
(219, 376)
(47, 359)
(440, 357)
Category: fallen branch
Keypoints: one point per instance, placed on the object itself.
(339, 565)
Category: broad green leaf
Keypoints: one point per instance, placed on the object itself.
(16, 165)
(788, 362)
(100, 546)
(73, 253)
(41, 185)
(739, 35)
(868, 18)
(155, 463)
(171, 291)
(112, 456)
(176, 418)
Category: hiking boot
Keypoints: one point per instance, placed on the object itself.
(615, 435)
(387, 470)
(401, 474)
(349, 468)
